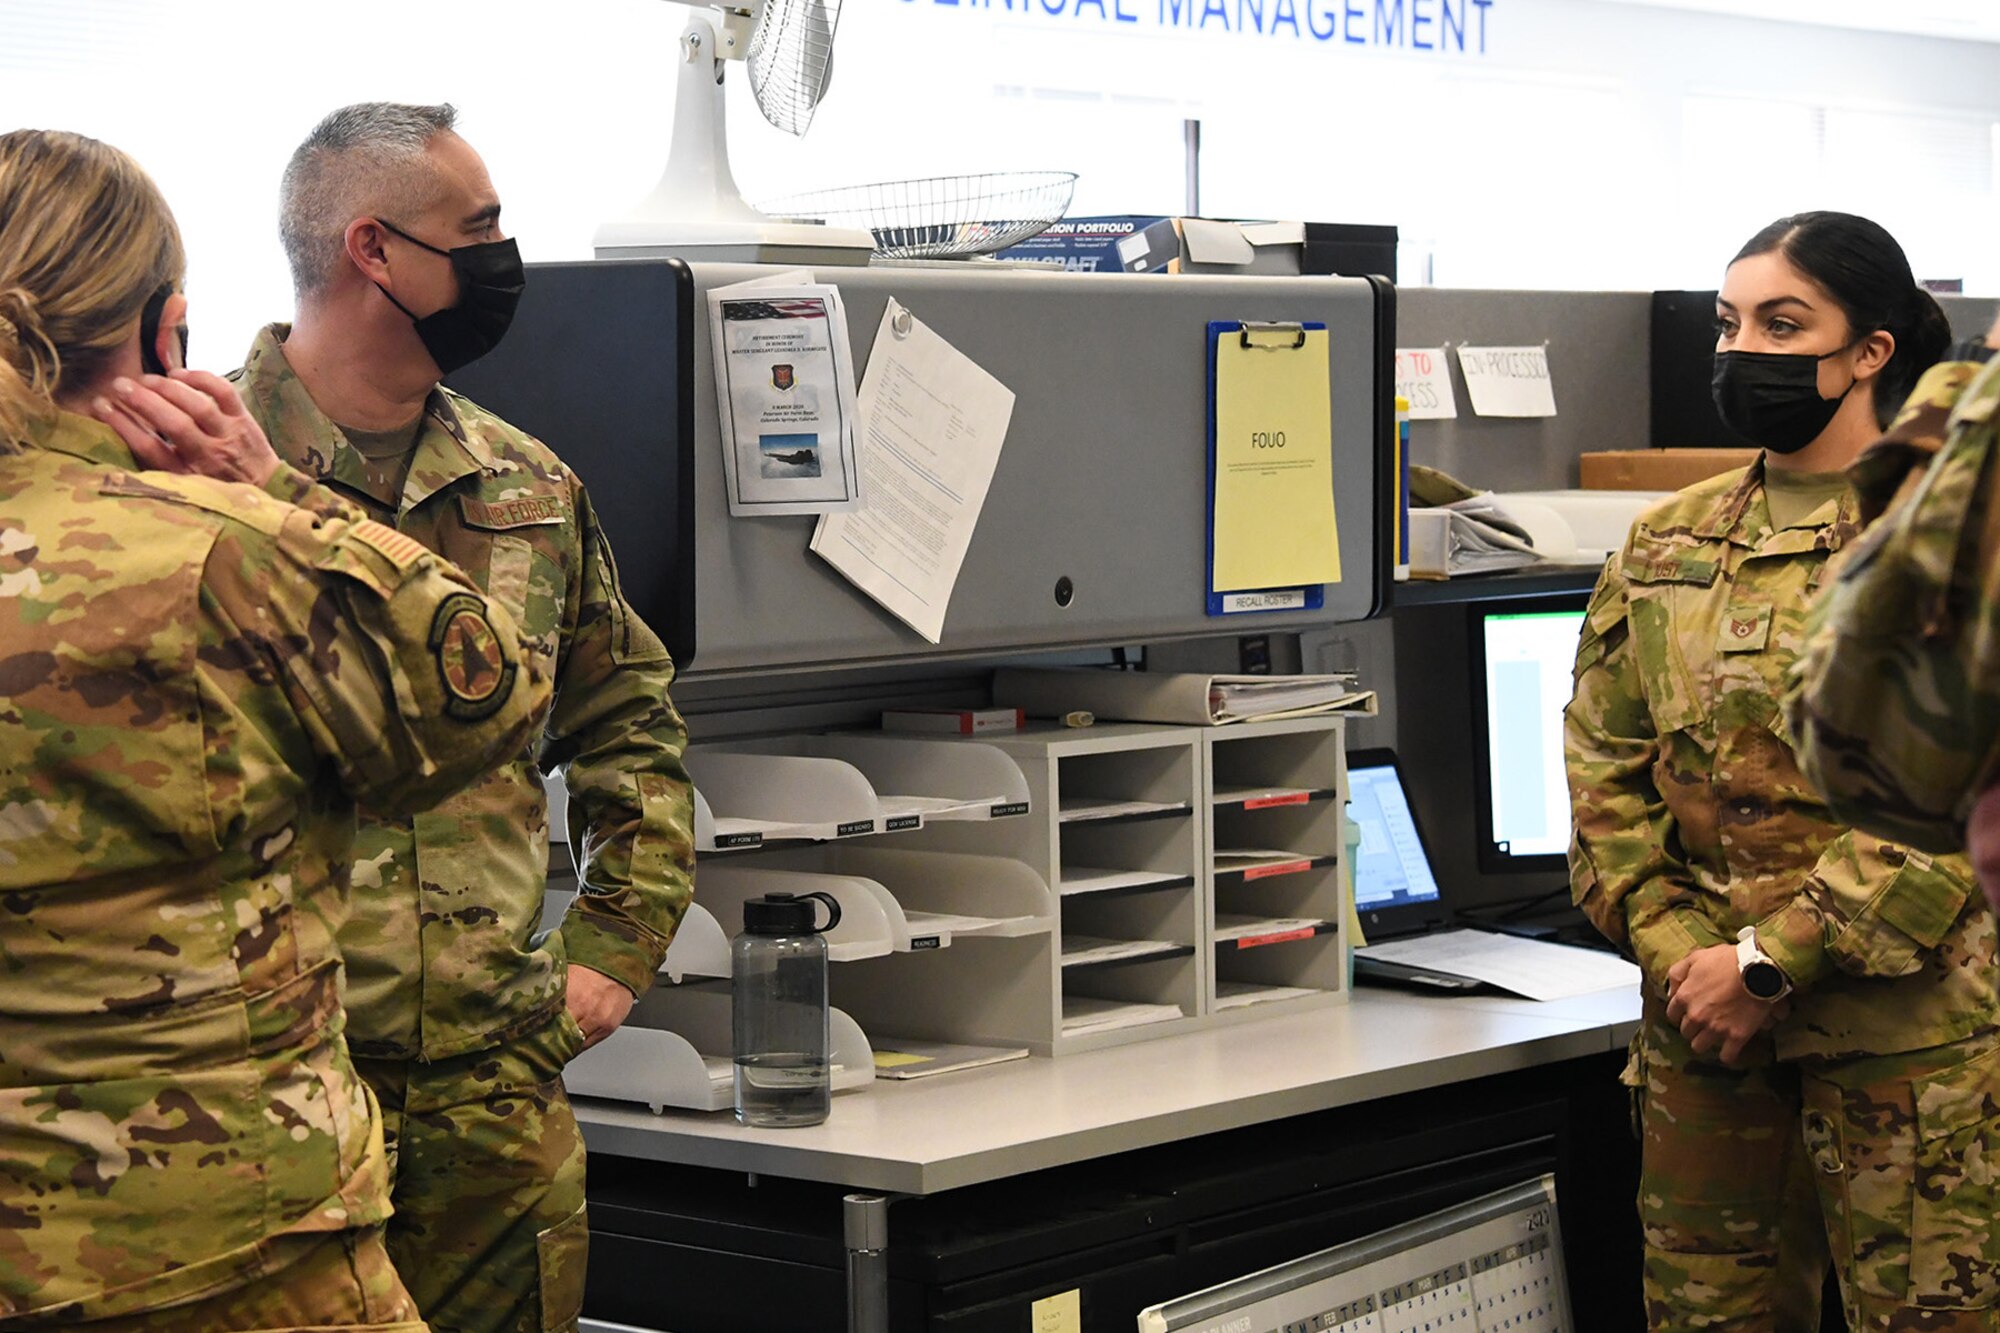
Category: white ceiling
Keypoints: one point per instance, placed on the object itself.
(1970, 20)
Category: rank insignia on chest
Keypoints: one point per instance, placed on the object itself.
(472, 666)
(1745, 629)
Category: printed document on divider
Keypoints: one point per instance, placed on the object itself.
(932, 423)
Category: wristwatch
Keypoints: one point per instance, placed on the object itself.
(1764, 979)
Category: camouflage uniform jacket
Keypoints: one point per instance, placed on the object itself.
(1692, 819)
(443, 950)
(1897, 708)
(196, 682)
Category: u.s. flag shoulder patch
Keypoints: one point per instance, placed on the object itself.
(399, 549)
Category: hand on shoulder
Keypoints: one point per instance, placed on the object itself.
(189, 422)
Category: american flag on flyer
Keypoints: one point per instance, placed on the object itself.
(795, 308)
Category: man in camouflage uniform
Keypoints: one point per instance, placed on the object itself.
(1897, 710)
(1693, 822)
(461, 1012)
(196, 682)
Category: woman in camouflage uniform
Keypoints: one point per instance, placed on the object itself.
(197, 682)
(1817, 1069)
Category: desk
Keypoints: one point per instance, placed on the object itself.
(977, 1125)
(965, 1129)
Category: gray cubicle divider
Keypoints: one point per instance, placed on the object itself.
(1599, 348)
(1597, 345)
(1102, 482)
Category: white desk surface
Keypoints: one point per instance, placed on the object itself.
(975, 1125)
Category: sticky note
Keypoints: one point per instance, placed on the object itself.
(1060, 1313)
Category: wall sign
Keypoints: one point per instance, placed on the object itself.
(1457, 27)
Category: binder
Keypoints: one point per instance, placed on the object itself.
(1277, 340)
(1182, 698)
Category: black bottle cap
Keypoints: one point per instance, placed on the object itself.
(778, 914)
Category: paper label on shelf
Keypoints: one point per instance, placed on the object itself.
(902, 823)
(854, 828)
(1283, 868)
(1268, 802)
(1060, 1313)
(1275, 937)
(1009, 808)
(1291, 599)
(921, 942)
(724, 841)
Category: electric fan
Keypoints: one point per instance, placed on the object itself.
(696, 211)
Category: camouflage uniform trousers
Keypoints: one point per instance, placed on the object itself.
(489, 1230)
(324, 1280)
(1731, 1224)
(1752, 1177)
(1906, 1155)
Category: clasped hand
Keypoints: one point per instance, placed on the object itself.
(1706, 999)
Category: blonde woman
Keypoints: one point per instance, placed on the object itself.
(197, 680)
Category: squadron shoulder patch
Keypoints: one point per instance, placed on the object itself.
(472, 665)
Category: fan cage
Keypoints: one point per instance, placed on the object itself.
(940, 216)
(790, 58)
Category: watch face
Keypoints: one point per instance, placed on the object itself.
(1764, 980)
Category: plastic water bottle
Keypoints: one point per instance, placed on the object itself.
(778, 981)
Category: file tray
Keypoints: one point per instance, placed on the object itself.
(937, 780)
(872, 922)
(961, 893)
(675, 1048)
(752, 799)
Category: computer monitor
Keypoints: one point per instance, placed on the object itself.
(1522, 654)
(1395, 891)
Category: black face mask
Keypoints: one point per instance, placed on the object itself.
(1772, 398)
(490, 281)
(149, 332)
(1969, 349)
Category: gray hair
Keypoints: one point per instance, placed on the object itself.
(362, 159)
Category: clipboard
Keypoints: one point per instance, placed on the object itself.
(1278, 340)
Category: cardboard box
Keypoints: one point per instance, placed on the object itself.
(1137, 243)
(1095, 245)
(1658, 469)
(1149, 243)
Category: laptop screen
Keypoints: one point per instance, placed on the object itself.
(1390, 868)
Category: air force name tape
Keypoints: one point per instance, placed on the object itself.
(472, 665)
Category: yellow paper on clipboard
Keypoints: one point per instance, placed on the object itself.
(1273, 506)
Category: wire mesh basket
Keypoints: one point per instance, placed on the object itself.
(940, 216)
